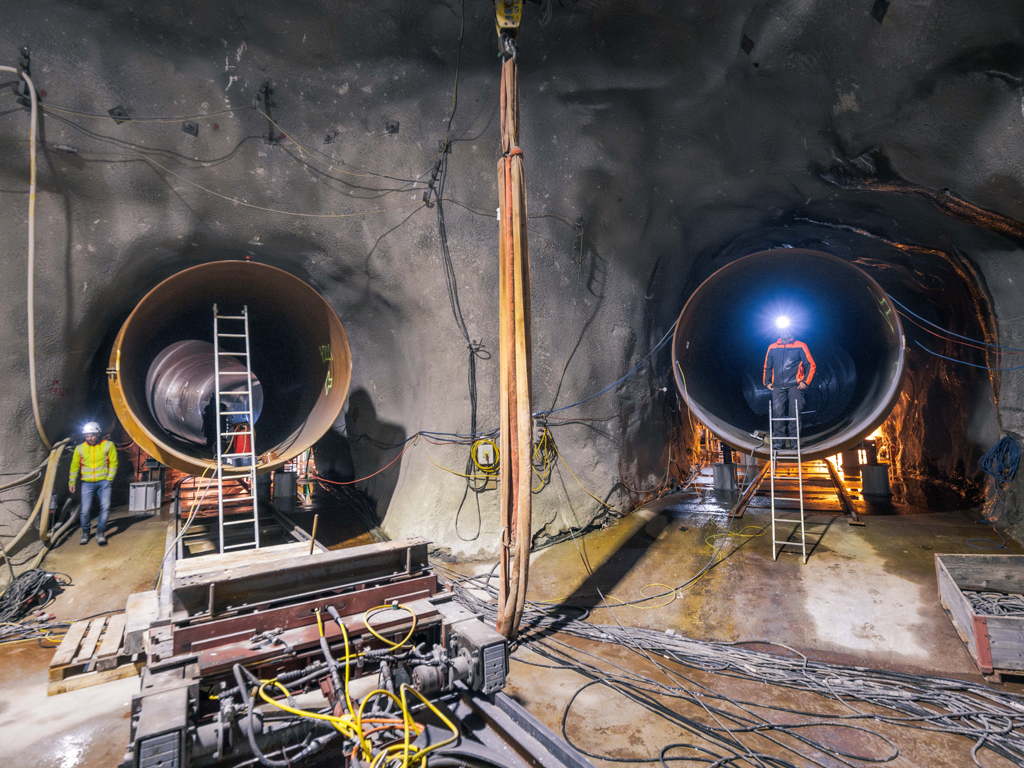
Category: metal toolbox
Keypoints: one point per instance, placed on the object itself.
(145, 497)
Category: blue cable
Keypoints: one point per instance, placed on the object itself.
(989, 541)
(1002, 461)
(1001, 464)
(639, 365)
(945, 330)
(964, 362)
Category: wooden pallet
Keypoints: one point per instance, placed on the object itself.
(92, 652)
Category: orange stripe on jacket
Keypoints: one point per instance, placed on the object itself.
(812, 365)
(801, 374)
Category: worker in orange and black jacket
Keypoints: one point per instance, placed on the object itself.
(788, 371)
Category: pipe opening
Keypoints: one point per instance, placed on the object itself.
(163, 359)
(844, 317)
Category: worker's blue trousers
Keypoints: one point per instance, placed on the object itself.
(100, 488)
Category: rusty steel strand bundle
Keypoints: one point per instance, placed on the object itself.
(995, 603)
(991, 719)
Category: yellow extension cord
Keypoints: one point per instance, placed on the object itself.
(351, 725)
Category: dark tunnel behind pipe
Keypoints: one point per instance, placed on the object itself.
(843, 316)
(299, 355)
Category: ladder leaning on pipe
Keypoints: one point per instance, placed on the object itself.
(246, 411)
(773, 420)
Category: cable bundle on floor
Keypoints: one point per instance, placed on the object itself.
(995, 603)
(991, 719)
(20, 604)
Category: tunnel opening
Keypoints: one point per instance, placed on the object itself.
(843, 316)
(299, 354)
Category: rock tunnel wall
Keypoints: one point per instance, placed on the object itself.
(657, 149)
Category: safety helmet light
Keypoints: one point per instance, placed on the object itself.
(782, 322)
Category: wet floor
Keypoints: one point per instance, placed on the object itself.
(611, 728)
(90, 727)
(866, 596)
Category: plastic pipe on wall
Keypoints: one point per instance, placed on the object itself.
(33, 130)
(43, 501)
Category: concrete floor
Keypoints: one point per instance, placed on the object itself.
(867, 596)
(90, 726)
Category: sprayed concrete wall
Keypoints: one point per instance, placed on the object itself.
(661, 141)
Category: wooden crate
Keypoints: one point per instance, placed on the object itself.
(996, 643)
(92, 652)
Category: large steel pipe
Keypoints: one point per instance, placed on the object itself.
(843, 316)
(299, 356)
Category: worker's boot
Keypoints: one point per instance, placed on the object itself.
(101, 538)
(85, 538)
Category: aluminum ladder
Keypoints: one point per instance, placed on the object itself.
(792, 456)
(219, 376)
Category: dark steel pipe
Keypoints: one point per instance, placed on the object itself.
(299, 356)
(843, 316)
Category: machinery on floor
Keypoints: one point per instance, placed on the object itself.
(272, 655)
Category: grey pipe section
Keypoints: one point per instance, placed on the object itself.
(180, 387)
(843, 315)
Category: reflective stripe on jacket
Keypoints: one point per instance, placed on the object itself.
(786, 365)
(96, 462)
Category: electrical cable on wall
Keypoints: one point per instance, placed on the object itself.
(1000, 463)
(614, 384)
(951, 333)
(956, 338)
(57, 112)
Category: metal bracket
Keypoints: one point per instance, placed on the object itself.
(24, 64)
(119, 114)
(266, 95)
(507, 44)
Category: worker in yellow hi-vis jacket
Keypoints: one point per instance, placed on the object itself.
(97, 461)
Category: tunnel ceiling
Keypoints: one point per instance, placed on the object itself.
(662, 141)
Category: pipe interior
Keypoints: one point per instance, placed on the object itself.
(285, 335)
(839, 312)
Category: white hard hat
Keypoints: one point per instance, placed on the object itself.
(92, 428)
